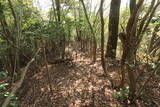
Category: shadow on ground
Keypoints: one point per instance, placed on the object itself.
(77, 84)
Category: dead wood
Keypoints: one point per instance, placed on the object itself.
(57, 61)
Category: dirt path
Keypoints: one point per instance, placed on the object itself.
(77, 85)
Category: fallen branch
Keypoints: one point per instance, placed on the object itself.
(57, 61)
(19, 83)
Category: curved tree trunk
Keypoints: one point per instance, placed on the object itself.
(102, 45)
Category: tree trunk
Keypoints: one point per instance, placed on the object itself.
(113, 29)
(92, 32)
(62, 35)
(128, 65)
(102, 36)
(58, 10)
(132, 5)
(129, 51)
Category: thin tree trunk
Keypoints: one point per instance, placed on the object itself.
(92, 32)
(102, 44)
(58, 10)
(62, 35)
(154, 34)
(54, 10)
(102, 37)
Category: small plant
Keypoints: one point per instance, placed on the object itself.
(3, 75)
(3, 87)
(13, 102)
(4, 93)
(122, 94)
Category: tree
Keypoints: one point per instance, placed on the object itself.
(132, 4)
(7, 36)
(92, 31)
(133, 38)
(58, 10)
(113, 28)
(102, 36)
(123, 39)
(62, 35)
(102, 44)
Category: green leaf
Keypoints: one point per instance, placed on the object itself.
(13, 97)
(3, 86)
(3, 74)
(1, 40)
(13, 104)
(6, 94)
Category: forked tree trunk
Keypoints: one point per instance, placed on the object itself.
(129, 51)
(133, 39)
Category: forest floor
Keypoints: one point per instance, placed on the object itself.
(77, 84)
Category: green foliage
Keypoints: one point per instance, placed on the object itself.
(124, 16)
(156, 20)
(13, 104)
(122, 94)
(1, 10)
(31, 25)
(3, 74)
(3, 86)
(3, 94)
(2, 40)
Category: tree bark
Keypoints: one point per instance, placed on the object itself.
(102, 45)
(132, 5)
(58, 10)
(102, 37)
(113, 29)
(129, 51)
